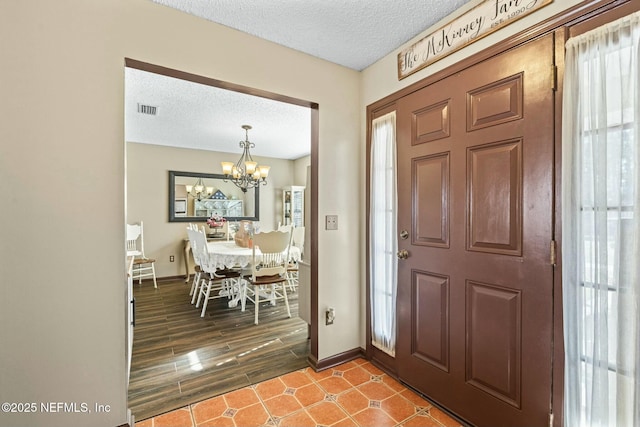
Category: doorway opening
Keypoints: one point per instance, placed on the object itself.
(184, 328)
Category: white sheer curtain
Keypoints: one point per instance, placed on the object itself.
(383, 240)
(601, 226)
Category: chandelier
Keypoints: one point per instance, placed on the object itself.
(199, 190)
(245, 173)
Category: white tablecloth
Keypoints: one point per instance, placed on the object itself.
(229, 255)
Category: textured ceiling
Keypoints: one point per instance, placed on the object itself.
(196, 116)
(352, 33)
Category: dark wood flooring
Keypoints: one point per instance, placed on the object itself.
(180, 358)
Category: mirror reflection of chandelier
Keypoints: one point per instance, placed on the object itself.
(199, 190)
(246, 173)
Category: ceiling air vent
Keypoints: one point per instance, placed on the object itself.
(147, 109)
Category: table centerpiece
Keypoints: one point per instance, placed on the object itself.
(216, 222)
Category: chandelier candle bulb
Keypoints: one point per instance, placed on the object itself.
(264, 171)
(250, 167)
(227, 168)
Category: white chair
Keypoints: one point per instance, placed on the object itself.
(142, 266)
(193, 292)
(297, 240)
(214, 283)
(285, 228)
(269, 269)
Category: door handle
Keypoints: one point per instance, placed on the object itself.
(403, 254)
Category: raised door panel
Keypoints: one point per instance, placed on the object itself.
(431, 123)
(495, 103)
(494, 191)
(493, 350)
(430, 185)
(430, 319)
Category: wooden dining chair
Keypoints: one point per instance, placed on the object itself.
(142, 265)
(269, 269)
(214, 282)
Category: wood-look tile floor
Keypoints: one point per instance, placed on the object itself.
(355, 393)
(180, 358)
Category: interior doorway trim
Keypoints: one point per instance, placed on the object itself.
(315, 129)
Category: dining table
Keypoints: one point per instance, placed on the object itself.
(227, 254)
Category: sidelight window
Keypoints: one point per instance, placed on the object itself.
(601, 226)
(383, 240)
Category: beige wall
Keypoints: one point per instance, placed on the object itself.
(148, 169)
(300, 170)
(62, 183)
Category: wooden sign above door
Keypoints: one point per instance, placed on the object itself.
(478, 22)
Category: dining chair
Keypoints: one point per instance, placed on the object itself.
(142, 265)
(193, 292)
(269, 269)
(285, 228)
(214, 282)
(297, 240)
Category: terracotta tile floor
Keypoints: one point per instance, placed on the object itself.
(355, 393)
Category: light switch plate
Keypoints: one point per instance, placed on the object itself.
(331, 222)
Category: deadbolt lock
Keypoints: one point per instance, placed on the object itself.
(403, 254)
(404, 234)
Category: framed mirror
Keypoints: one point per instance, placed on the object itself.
(195, 197)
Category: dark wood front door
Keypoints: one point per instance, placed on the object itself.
(475, 162)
